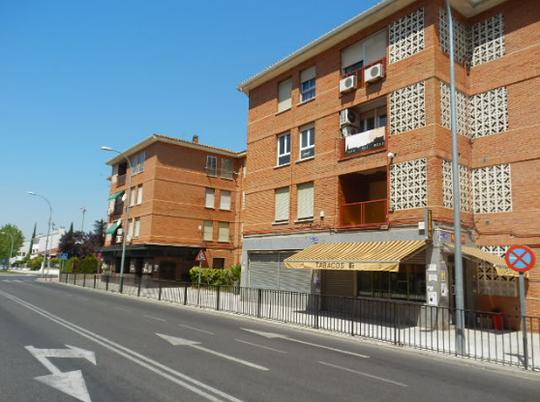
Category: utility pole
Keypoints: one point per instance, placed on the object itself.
(458, 262)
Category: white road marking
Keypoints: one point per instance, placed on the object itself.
(399, 384)
(122, 308)
(175, 341)
(154, 318)
(174, 376)
(196, 329)
(260, 346)
(71, 382)
(271, 335)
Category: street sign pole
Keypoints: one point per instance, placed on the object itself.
(522, 259)
(523, 308)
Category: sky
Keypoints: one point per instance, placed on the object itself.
(76, 75)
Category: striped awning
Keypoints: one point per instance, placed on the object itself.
(498, 262)
(113, 227)
(358, 256)
(114, 196)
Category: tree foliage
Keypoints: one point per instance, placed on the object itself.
(82, 244)
(5, 240)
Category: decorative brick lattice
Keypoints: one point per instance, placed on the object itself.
(492, 189)
(465, 187)
(487, 40)
(408, 182)
(462, 36)
(408, 108)
(476, 44)
(406, 36)
(462, 109)
(489, 113)
(491, 284)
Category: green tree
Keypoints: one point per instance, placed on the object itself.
(5, 240)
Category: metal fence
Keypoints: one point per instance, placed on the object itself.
(491, 337)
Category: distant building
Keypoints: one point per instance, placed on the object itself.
(184, 197)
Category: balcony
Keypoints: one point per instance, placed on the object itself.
(363, 199)
(363, 143)
(364, 213)
(363, 129)
(120, 180)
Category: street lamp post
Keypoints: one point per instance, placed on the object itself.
(83, 210)
(458, 262)
(125, 228)
(46, 261)
(11, 248)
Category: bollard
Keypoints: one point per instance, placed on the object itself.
(185, 293)
(84, 280)
(159, 292)
(139, 288)
(217, 298)
(259, 301)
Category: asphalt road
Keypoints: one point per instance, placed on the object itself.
(204, 356)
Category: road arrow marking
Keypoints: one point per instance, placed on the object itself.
(272, 335)
(71, 382)
(175, 341)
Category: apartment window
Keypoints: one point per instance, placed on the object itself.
(208, 230)
(211, 165)
(132, 196)
(210, 198)
(137, 163)
(307, 142)
(284, 95)
(284, 149)
(307, 84)
(225, 200)
(282, 200)
(130, 230)
(218, 263)
(140, 194)
(227, 168)
(121, 169)
(363, 53)
(223, 234)
(305, 200)
(137, 229)
(409, 283)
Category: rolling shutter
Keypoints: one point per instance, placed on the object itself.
(284, 95)
(282, 204)
(338, 283)
(267, 271)
(305, 200)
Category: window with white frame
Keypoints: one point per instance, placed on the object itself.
(284, 149)
(223, 232)
(284, 95)
(132, 196)
(281, 207)
(363, 53)
(226, 168)
(208, 231)
(130, 229)
(211, 165)
(137, 163)
(140, 194)
(307, 142)
(305, 199)
(225, 200)
(210, 198)
(307, 84)
(137, 228)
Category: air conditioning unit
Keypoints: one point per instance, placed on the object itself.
(347, 131)
(374, 73)
(347, 84)
(114, 179)
(348, 117)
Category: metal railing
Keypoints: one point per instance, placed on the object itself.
(363, 213)
(491, 337)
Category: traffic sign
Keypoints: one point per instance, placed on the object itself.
(520, 258)
(201, 256)
(63, 256)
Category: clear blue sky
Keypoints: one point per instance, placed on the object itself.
(75, 75)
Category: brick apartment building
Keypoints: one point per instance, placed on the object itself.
(183, 197)
(349, 142)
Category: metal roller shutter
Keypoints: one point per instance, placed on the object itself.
(267, 271)
(295, 280)
(338, 283)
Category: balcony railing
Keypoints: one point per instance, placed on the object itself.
(363, 143)
(120, 180)
(365, 213)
